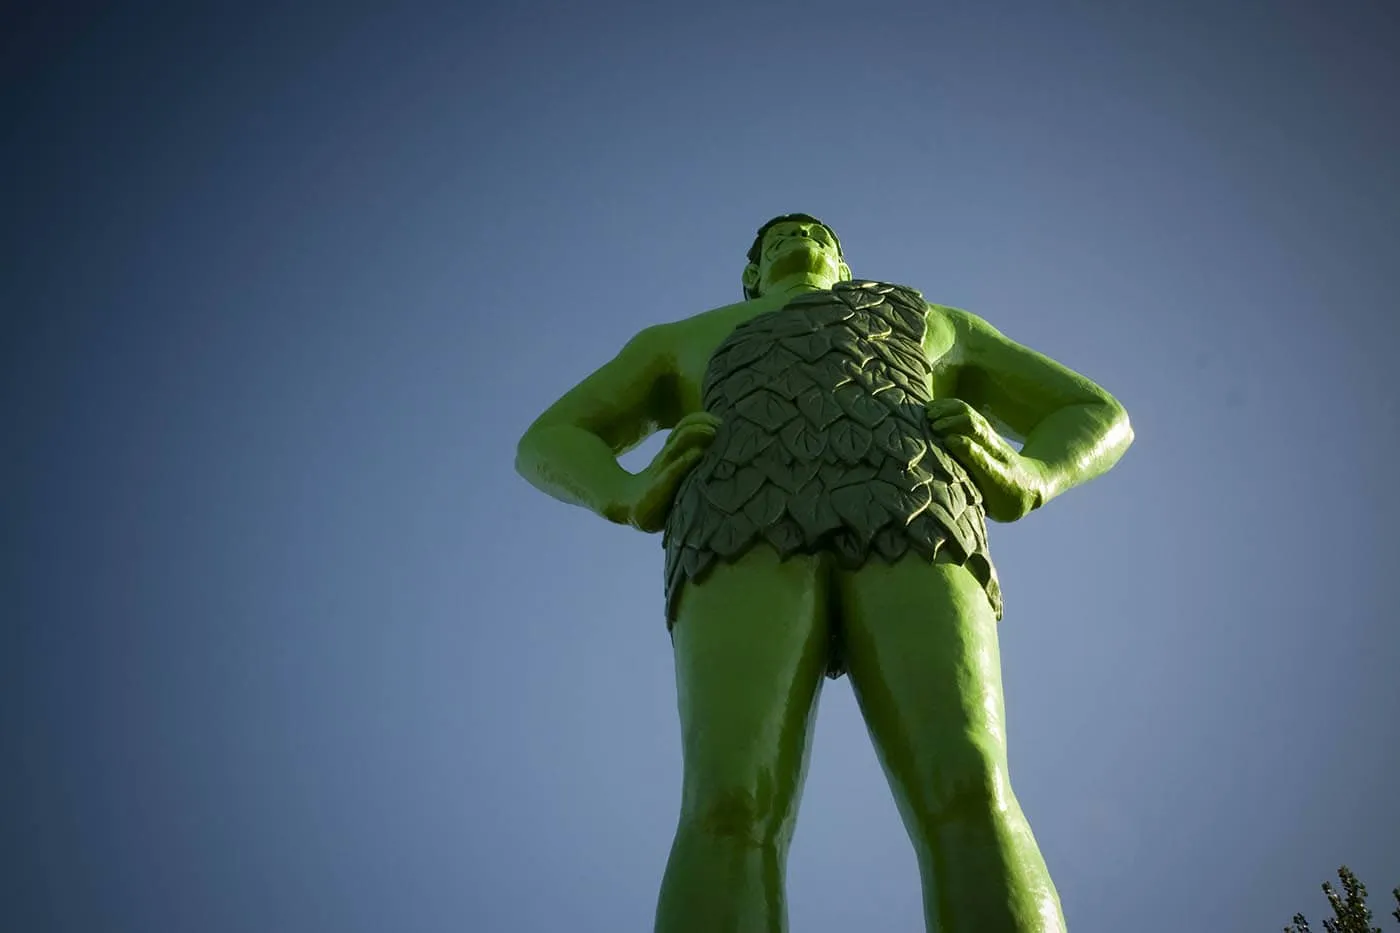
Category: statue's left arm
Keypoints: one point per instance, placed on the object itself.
(1073, 430)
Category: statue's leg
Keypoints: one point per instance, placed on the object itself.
(751, 648)
(921, 643)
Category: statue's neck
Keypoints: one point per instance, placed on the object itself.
(791, 288)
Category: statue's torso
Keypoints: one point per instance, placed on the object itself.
(823, 444)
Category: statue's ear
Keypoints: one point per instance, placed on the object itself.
(845, 272)
(751, 278)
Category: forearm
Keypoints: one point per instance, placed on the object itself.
(1077, 443)
(574, 466)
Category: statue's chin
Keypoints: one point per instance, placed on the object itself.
(799, 262)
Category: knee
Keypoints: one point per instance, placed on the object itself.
(970, 784)
(737, 816)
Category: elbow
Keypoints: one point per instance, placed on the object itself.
(1112, 429)
(1117, 415)
(527, 452)
(538, 448)
(1122, 423)
(1119, 427)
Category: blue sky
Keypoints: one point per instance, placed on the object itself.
(290, 647)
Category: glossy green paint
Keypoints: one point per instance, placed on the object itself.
(777, 606)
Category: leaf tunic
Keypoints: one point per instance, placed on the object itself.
(824, 445)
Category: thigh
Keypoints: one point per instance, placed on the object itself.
(924, 662)
(751, 644)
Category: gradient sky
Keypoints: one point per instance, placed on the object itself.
(290, 648)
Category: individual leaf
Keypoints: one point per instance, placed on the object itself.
(748, 350)
(811, 347)
(990, 584)
(958, 499)
(804, 300)
(908, 320)
(849, 440)
(946, 520)
(849, 344)
(812, 511)
(777, 361)
(904, 355)
(748, 480)
(746, 442)
(701, 527)
(685, 509)
(790, 322)
(899, 474)
(818, 406)
(932, 532)
(899, 502)
(675, 582)
(858, 297)
(720, 494)
(895, 398)
(941, 493)
(961, 532)
(712, 392)
(891, 543)
(848, 550)
(876, 381)
(740, 384)
(829, 314)
(791, 383)
(705, 560)
(860, 511)
(869, 326)
(860, 406)
(896, 439)
(979, 527)
(768, 410)
(803, 440)
(785, 535)
(909, 297)
(836, 475)
(690, 561)
(790, 476)
(766, 506)
(732, 537)
(913, 411)
(940, 463)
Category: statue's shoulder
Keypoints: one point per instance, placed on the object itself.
(959, 318)
(721, 319)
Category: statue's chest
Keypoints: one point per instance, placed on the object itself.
(860, 336)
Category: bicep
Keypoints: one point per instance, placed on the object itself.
(1014, 385)
(625, 400)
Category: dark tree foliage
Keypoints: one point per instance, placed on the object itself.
(1350, 913)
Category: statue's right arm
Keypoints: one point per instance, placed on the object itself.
(571, 450)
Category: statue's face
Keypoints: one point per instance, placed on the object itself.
(797, 247)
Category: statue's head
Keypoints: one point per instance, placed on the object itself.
(791, 245)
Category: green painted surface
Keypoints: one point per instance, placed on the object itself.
(835, 448)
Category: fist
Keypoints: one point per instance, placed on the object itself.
(1011, 485)
(654, 489)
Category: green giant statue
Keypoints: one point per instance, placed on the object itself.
(835, 449)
